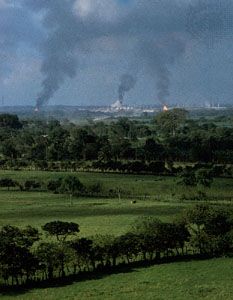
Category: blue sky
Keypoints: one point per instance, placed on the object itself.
(75, 51)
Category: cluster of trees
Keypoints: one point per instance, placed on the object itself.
(69, 184)
(66, 185)
(26, 257)
(171, 136)
(193, 177)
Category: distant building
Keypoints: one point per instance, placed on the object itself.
(117, 105)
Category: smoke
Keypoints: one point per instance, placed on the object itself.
(210, 21)
(152, 33)
(59, 59)
(127, 82)
(67, 31)
(159, 55)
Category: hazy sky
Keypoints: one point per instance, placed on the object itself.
(77, 52)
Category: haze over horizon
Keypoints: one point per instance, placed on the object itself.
(77, 52)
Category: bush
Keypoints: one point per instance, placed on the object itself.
(94, 189)
(54, 185)
(7, 182)
(31, 184)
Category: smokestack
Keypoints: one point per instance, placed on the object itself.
(127, 82)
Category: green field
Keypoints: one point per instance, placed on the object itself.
(93, 215)
(156, 196)
(162, 188)
(210, 279)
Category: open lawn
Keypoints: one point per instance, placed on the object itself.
(194, 280)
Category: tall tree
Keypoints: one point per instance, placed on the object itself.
(169, 122)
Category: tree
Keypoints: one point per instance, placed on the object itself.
(204, 177)
(61, 230)
(31, 184)
(7, 182)
(47, 254)
(170, 121)
(208, 227)
(54, 185)
(187, 178)
(151, 236)
(129, 246)
(153, 150)
(10, 121)
(83, 250)
(105, 152)
(9, 149)
(107, 249)
(16, 258)
(71, 185)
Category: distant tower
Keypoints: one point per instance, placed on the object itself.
(3, 101)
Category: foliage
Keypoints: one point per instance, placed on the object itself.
(207, 230)
(61, 230)
(119, 146)
(169, 122)
(10, 121)
(188, 178)
(31, 184)
(71, 185)
(7, 182)
(203, 177)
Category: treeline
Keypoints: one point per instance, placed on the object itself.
(69, 184)
(124, 145)
(196, 176)
(28, 256)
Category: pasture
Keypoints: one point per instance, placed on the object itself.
(156, 196)
(194, 280)
(93, 215)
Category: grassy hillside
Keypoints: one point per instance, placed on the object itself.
(181, 280)
(195, 280)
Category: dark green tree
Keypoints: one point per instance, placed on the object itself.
(170, 121)
(61, 230)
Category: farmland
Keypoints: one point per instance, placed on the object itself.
(195, 280)
(156, 196)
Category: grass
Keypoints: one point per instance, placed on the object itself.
(182, 280)
(194, 280)
(93, 215)
(96, 215)
(158, 187)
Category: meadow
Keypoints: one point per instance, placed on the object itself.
(156, 196)
(193, 280)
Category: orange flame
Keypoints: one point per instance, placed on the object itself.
(165, 108)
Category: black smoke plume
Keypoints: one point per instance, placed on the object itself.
(158, 32)
(159, 55)
(59, 58)
(127, 82)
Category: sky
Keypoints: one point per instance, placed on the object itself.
(91, 52)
